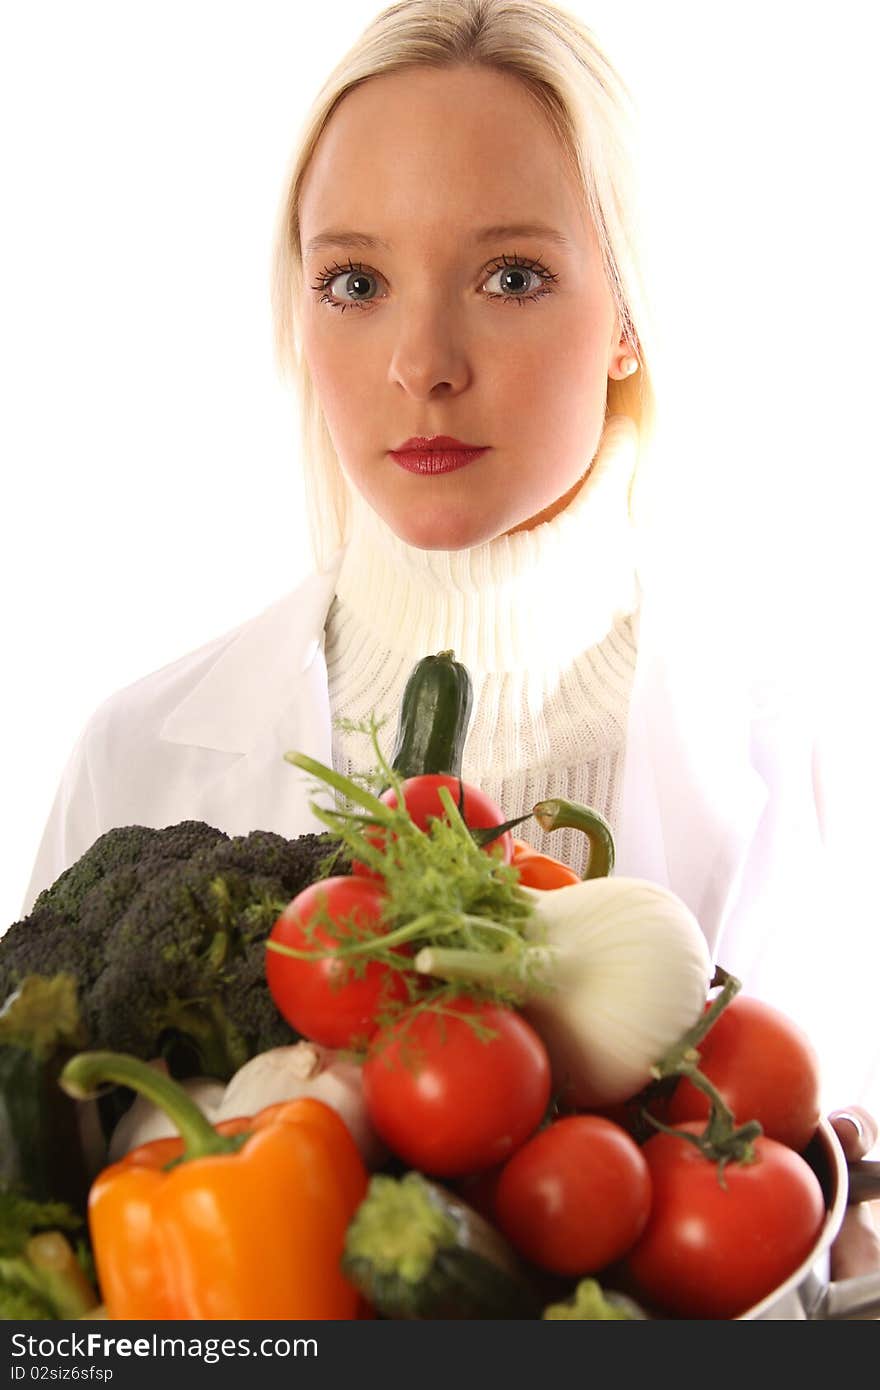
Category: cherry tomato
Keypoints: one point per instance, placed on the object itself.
(448, 1101)
(764, 1067)
(325, 999)
(711, 1250)
(574, 1197)
(421, 799)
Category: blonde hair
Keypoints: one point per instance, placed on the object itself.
(558, 60)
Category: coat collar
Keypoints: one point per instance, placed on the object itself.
(249, 687)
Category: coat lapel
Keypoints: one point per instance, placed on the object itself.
(266, 694)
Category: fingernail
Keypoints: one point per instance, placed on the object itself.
(851, 1119)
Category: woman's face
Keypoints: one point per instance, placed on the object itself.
(435, 304)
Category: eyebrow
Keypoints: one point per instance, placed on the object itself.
(363, 241)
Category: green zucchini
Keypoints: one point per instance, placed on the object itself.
(414, 1250)
(591, 1303)
(434, 716)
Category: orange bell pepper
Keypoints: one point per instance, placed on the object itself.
(243, 1221)
(538, 870)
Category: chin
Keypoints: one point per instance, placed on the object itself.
(441, 530)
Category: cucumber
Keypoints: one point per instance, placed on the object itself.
(434, 716)
(414, 1250)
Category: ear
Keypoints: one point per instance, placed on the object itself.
(624, 360)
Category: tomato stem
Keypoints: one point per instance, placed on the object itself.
(684, 1054)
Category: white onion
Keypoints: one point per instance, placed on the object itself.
(629, 970)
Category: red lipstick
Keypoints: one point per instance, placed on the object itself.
(440, 453)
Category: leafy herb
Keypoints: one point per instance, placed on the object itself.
(441, 888)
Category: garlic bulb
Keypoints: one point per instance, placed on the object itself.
(283, 1073)
(305, 1069)
(144, 1121)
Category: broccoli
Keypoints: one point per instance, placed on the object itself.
(40, 1274)
(164, 933)
(152, 943)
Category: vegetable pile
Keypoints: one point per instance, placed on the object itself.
(414, 1067)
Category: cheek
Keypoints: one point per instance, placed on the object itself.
(339, 367)
(554, 383)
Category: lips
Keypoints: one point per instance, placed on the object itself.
(441, 453)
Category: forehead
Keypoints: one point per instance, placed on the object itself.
(439, 148)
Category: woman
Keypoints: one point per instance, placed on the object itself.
(457, 292)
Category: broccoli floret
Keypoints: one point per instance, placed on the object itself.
(126, 844)
(248, 1004)
(40, 944)
(40, 1274)
(296, 863)
(163, 985)
(48, 942)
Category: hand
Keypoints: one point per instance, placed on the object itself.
(857, 1247)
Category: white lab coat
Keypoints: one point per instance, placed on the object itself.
(717, 800)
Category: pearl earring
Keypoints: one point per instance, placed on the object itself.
(629, 365)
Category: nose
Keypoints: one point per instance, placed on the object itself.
(429, 356)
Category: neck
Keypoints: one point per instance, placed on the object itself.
(531, 599)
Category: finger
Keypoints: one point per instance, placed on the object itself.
(856, 1249)
(856, 1129)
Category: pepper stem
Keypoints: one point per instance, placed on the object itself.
(84, 1073)
(559, 814)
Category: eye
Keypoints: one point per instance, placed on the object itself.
(346, 287)
(518, 278)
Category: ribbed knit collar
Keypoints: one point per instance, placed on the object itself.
(534, 599)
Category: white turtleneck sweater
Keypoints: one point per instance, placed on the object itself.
(544, 622)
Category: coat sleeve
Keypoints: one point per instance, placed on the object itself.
(799, 934)
(72, 826)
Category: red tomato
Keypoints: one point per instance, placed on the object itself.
(325, 999)
(712, 1251)
(764, 1067)
(421, 799)
(574, 1197)
(449, 1102)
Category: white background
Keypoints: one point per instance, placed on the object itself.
(149, 450)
